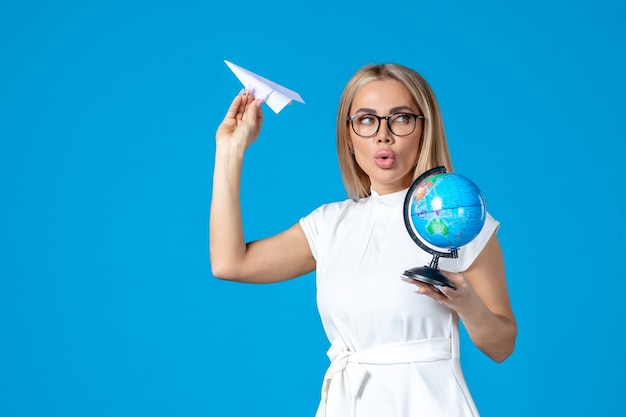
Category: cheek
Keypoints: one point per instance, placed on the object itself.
(357, 146)
(416, 147)
(362, 159)
(412, 152)
(359, 159)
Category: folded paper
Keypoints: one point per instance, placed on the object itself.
(276, 96)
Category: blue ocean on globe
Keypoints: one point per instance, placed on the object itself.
(447, 210)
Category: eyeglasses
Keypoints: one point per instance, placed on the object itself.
(400, 124)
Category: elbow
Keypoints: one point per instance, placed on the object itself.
(223, 272)
(501, 356)
(506, 346)
(226, 266)
(219, 274)
(221, 267)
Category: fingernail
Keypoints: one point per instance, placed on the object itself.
(406, 279)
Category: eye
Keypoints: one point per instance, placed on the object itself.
(403, 118)
(367, 120)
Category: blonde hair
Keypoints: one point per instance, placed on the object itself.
(433, 150)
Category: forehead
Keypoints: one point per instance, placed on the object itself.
(381, 96)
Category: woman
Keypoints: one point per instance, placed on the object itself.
(394, 347)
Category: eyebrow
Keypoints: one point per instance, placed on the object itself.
(393, 110)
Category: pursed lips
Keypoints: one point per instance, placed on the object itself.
(384, 158)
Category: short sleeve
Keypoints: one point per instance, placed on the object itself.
(310, 225)
(469, 253)
(319, 226)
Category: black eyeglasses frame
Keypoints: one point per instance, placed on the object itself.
(387, 118)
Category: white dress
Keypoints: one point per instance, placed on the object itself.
(393, 352)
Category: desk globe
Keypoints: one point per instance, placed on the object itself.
(446, 211)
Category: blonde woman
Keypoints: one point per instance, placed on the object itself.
(394, 346)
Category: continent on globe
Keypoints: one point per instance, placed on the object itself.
(437, 227)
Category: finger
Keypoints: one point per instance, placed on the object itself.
(437, 293)
(254, 112)
(243, 112)
(243, 101)
(235, 107)
(259, 110)
(410, 280)
(248, 96)
(422, 288)
(445, 291)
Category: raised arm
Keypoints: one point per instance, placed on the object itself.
(277, 258)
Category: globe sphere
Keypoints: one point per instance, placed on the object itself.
(447, 210)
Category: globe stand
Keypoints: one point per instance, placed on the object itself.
(428, 274)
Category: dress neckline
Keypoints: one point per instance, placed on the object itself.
(392, 199)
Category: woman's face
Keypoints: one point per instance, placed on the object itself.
(388, 160)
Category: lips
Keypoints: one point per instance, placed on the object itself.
(384, 158)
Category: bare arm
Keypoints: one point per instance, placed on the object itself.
(280, 257)
(482, 301)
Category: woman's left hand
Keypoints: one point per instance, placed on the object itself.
(481, 300)
(455, 299)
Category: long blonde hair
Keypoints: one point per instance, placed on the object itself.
(433, 150)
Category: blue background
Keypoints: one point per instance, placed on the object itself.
(107, 118)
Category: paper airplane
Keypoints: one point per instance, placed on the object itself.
(276, 96)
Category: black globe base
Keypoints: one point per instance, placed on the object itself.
(429, 275)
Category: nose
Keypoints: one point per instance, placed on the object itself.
(384, 134)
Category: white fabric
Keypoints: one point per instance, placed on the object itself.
(386, 355)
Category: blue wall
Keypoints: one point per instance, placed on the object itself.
(107, 118)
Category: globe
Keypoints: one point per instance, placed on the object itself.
(447, 210)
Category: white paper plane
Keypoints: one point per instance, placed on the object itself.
(276, 96)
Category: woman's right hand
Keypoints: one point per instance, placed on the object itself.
(242, 124)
